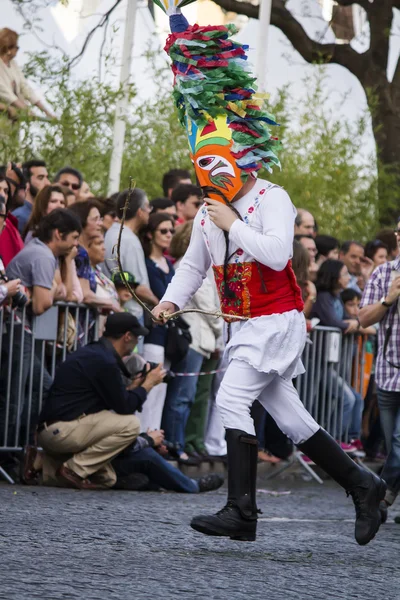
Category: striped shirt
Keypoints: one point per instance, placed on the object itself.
(387, 377)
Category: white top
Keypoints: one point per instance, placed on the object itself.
(13, 85)
(265, 235)
(272, 343)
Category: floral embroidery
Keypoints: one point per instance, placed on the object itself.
(261, 192)
(251, 209)
(238, 276)
(202, 222)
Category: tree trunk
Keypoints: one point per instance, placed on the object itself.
(386, 127)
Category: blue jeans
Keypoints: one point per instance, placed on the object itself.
(389, 407)
(160, 472)
(180, 397)
(353, 406)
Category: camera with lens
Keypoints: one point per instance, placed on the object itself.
(145, 371)
(19, 299)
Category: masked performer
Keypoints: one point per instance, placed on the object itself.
(245, 231)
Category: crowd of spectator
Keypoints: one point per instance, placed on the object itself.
(58, 243)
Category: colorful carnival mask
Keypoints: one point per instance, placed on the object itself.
(215, 94)
(210, 151)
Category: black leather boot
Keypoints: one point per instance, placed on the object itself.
(366, 489)
(238, 518)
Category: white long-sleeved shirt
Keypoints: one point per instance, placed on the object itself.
(264, 235)
(13, 85)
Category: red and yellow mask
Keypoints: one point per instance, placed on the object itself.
(210, 151)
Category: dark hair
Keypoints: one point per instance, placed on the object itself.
(40, 205)
(82, 210)
(328, 276)
(345, 247)
(109, 206)
(69, 171)
(161, 204)
(372, 247)
(172, 178)
(325, 244)
(182, 192)
(299, 236)
(154, 222)
(300, 263)
(3, 203)
(61, 219)
(31, 164)
(137, 198)
(349, 294)
(388, 237)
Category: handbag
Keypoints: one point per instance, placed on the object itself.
(178, 340)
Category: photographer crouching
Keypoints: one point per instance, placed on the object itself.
(88, 416)
(380, 304)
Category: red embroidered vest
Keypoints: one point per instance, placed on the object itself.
(258, 290)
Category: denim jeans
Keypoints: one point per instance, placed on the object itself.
(389, 407)
(353, 406)
(180, 397)
(160, 472)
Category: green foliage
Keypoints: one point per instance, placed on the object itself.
(323, 166)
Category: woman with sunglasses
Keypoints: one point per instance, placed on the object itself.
(15, 91)
(156, 239)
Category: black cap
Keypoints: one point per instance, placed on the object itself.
(119, 323)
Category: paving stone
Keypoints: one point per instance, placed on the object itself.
(67, 544)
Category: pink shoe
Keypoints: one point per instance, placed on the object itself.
(348, 448)
(358, 444)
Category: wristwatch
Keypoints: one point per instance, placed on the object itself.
(384, 303)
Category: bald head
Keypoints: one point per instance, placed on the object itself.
(304, 223)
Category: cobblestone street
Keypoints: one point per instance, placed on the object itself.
(125, 545)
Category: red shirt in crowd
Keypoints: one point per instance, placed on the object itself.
(10, 240)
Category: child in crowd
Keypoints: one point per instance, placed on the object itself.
(124, 294)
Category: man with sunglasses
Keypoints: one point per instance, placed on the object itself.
(380, 304)
(187, 198)
(70, 178)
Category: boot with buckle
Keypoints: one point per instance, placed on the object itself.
(366, 489)
(238, 518)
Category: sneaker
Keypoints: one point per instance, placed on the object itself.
(348, 448)
(210, 482)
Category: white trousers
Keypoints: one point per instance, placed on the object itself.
(150, 417)
(242, 385)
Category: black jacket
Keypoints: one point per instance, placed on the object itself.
(90, 380)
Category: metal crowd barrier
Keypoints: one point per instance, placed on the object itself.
(30, 349)
(332, 362)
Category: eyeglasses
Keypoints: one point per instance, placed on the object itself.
(3, 215)
(95, 220)
(73, 186)
(165, 231)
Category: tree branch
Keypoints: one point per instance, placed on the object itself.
(310, 50)
(103, 21)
